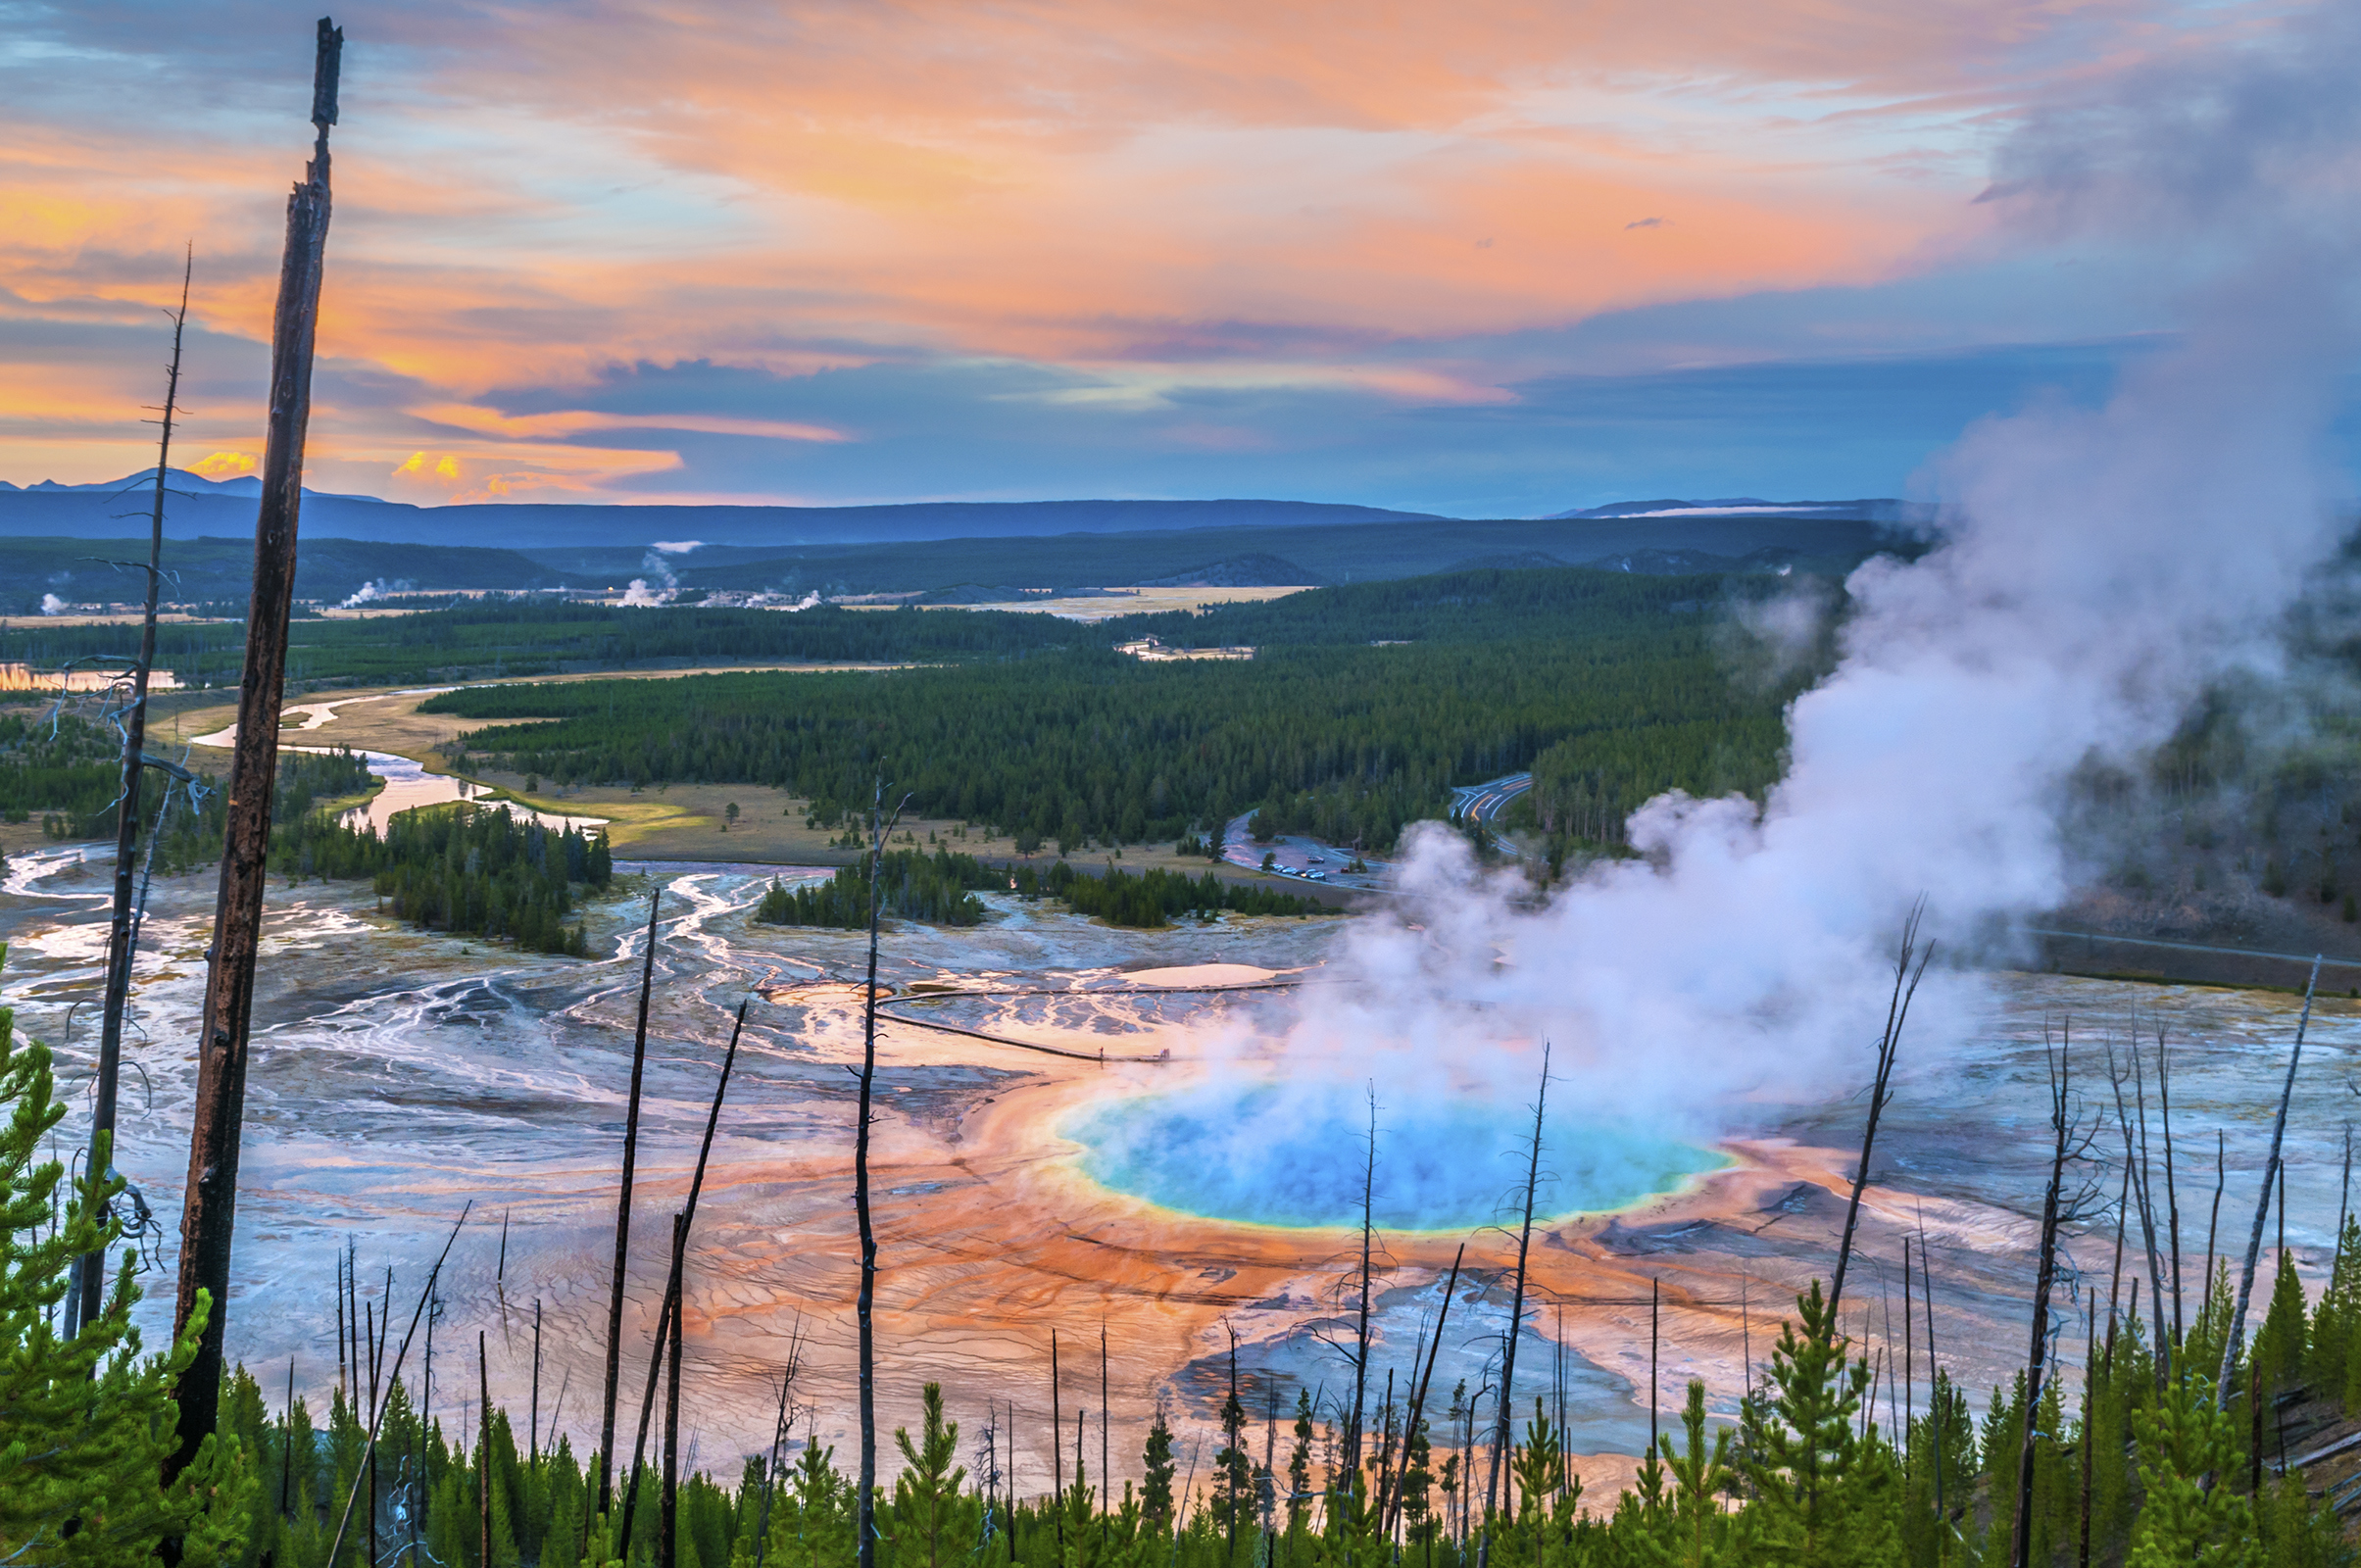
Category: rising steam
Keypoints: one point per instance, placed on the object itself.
(2092, 573)
(660, 585)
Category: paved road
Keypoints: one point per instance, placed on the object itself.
(1486, 801)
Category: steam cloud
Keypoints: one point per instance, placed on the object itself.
(377, 588)
(646, 594)
(2094, 571)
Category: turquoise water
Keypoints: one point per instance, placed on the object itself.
(1295, 1155)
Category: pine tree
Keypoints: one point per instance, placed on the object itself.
(2339, 1313)
(87, 1423)
(1417, 1486)
(926, 1496)
(1156, 1485)
(1299, 1466)
(1825, 1496)
(2184, 1443)
(2296, 1533)
(1233, 1469)
(2281, 1348)
(1701, 1535)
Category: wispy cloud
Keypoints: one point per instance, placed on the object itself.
(1295, 200)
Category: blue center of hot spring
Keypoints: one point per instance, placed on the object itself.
(1295, 1155)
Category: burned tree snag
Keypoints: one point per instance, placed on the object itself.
(1897, 1013)
(668, 1341)
(1360, 1332)
(83, 1304)
(483, 1454)
(1506, 1403)
(207, 1213)
(864, 1307)
(622, 1220)
(2262, 1209)
(2057, 1207)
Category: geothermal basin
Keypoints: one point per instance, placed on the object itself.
(1060, 1147)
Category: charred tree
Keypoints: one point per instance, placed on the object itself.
(533, 1438)
(1057, 1449)
(1360, 1329)
(2221, 1175)
(2135, 1158)
(623, 1221)
(668, 1536)
(2057, 1209)
(1897, 1012)
(209, 1207)
(1417, 1411)
(82, 1300)
(2171, 1197)
(866, 1302)
(668, 1314)
(2262, 1209)
(483, 1453)
(425, 1294)
(1506, 1403)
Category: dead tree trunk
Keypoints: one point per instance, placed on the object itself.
(1107, 1479)
(2262, 1209)
(2147, 1189)
(533, 1436)
(1057, 1448)
(1434, 1353)
(2044, 1270)
(1934, 1411)
(1909, 1363)
(82, 1302)
(426, 1295)
(1360, 1332)
(2213, 1226)
(623, 1219)
(1506, 1403)
(668, 1536)
(209, 1208)
(1897, 1012)
(865, 1304)
(668, 1315)
(483, 1455)
(2172, 1196)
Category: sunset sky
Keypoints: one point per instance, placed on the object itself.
(1489, 258)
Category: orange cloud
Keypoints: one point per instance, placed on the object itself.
(223, 465)
(1158, 194)
(532, 427)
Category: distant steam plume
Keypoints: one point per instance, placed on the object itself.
(660, 585)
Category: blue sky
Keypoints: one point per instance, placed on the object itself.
(1472, 260)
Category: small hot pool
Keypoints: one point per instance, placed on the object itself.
(1295, 1155)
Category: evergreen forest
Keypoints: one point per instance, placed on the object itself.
(941, 889)
(1366, 705)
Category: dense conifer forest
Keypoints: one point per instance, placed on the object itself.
(941, 889)
(470, 870)
(1366, 705)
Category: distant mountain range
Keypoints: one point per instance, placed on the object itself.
(199, 507)
(351, 542)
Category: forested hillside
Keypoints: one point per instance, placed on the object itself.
(1326, 732)
(521, 637)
